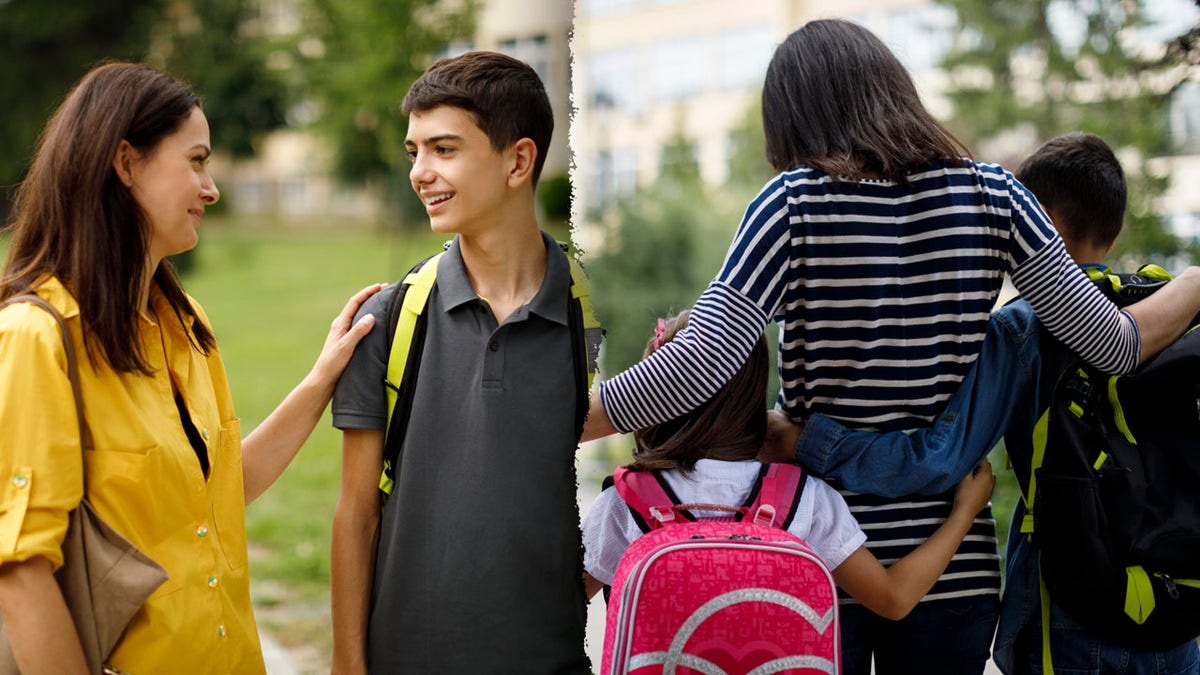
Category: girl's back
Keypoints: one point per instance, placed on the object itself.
(887, 288)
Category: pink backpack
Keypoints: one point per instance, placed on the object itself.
(728, 595)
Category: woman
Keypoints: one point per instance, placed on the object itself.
(880, 250)
(120, 181)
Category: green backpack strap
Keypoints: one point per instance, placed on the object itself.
(586, 334)
(405, 348)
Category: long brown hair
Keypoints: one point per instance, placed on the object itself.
(836, 99)
(731, 425)
(74, 219)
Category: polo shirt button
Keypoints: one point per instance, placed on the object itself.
(212, 582)
(221, 630)
(493, 345)
(202, 531)
(20, 481)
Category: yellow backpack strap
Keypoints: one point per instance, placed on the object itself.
(1044, 595)
(416, 288)
(593, 332)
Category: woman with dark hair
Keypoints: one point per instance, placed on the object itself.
(120, 181)
(879, 249)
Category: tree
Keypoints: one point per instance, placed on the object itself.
(370, 52)
(222, 49)
(47, 45)
(217, 46)
(664, 243)
(1045, 67)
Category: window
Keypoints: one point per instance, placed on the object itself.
(919, 36)
(601, 7)
(614, 80)
(614, 175)
(743, 55)
(678, 69)
(534, 51)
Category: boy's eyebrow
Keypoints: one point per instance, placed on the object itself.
(435, 139)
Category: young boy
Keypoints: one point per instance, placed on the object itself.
(1079, 182)
(473, 565)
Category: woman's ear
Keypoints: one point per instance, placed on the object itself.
(524, 155)
(123, 162)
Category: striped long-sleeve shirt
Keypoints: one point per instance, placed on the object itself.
(882, 292)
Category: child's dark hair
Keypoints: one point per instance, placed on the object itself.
(838, 100)
(730, 426)
(504, 95)
(1079, 180)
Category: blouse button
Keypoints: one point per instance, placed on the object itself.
(204, 433)
(20, 481)
(201, 531)
(212, 582)
(221, 630)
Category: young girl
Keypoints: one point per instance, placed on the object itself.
(708, 456)
(880, 251)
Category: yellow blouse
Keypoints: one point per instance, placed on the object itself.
(143, 477)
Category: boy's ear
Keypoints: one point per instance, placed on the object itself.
(123, 162)
(524, 156)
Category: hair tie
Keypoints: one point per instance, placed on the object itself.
(658, 333)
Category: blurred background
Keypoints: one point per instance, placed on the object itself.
(665, 150)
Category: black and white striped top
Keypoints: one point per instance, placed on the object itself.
(882, 292)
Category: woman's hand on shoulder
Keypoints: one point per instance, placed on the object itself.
(343, 337)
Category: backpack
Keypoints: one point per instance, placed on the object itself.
(732, 594)
(407, 325)
(1113, 502)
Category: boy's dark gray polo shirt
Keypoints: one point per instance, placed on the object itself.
(479, 567)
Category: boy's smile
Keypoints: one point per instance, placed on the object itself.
(460, 178)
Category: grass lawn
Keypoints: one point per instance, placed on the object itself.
(270, 297)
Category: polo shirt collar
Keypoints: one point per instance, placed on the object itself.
(455, 287)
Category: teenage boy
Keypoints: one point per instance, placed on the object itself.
(1078, 180)
(473, 564)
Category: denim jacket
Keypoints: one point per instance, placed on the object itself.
(1002, 395)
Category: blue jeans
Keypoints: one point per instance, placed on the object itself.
(1075, 651)
(946, 637)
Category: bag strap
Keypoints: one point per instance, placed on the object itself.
(406, 324)
(585, 332)
(72, 367)
(772, 501)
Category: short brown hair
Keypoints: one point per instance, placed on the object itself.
(505, 97)
(838, 100)
(731, 425)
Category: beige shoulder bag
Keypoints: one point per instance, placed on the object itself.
(104, 578)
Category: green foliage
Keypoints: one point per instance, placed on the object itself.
(218, 46)
(554, 195)
(371, 52)
(1015, 69)
(47, 45)
(748, 167)
(222, 48)
(663, 245)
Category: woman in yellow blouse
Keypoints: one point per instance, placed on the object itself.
(119, 182)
